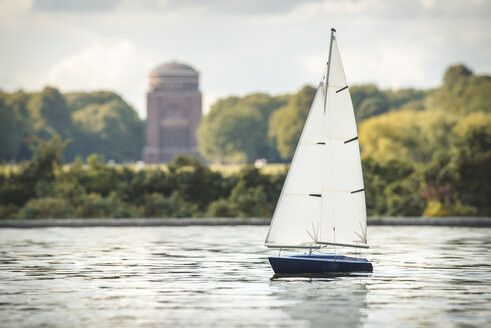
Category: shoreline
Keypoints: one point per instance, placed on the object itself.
(180, 222)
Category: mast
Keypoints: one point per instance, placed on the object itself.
(333, 30)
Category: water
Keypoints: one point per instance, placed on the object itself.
(220, 277)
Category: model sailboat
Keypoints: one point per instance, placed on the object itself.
(323, 201)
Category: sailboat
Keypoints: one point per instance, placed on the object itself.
(322, 203)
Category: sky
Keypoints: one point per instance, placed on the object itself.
(239, 47)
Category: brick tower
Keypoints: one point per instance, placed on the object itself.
(173, 112)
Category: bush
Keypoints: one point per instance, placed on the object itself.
(46, 208)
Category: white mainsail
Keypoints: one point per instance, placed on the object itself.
(323, 200)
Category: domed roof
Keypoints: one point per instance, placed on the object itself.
(173, 68)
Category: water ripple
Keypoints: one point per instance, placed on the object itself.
(220, 277)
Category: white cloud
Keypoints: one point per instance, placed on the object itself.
(240, 47)
(119, 66)
(11, 11)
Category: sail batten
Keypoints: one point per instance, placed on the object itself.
(352, 139)
(338, 91)
(322, 200)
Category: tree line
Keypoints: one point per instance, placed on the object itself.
(45, 188)
(97, 122)
(424, 152)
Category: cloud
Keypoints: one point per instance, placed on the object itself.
(238, 7)
(238, 46)
(214, 7)
(75, 5)
(11, 10)
(119, 67)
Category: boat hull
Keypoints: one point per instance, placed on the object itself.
(319, 264)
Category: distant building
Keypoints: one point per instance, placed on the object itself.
(173, 112)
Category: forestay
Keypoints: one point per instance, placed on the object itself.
(323, 200)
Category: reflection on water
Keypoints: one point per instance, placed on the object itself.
(220, 277)
(323, 301)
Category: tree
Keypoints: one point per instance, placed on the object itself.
(50, 114)
(462, 92)
(286, 123)
(193, 182)
(12, 130)
(36, 175)
(406, 134)
(112, 128)
(235, 130)
(368, 101)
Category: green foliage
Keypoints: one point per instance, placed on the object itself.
(221, 208)
(11, 130)
(48, 110)
(423, 152)
(79, 100)
(188, 178)
(22, 184)
(368, 101)
(462, 92)
(239, 130)
(99, 122)
(111, 128)
(236, 129)
(407, 134)
(157, 205)
(392, 188)
(45, 208)
(42, 188)
(457, 181)
(286, 123)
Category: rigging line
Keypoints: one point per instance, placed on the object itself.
(359, 190)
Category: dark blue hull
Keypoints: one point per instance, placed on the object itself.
(319, 264)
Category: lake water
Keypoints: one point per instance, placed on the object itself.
(220, 277)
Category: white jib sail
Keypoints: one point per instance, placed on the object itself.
(322, 200)
(297, 217)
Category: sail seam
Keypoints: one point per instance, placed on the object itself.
(334, 138)
(346, 87)
(335, 190)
